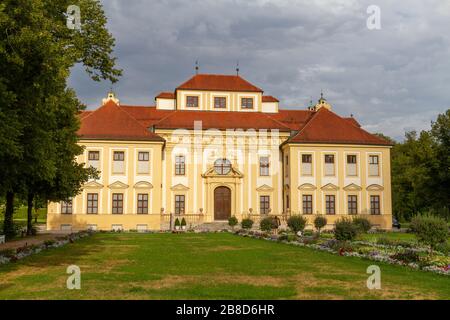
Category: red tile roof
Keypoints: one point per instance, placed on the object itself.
(327, 127)
(269, 99)
(111, 122)
(353, 121)
(146, 116)
(165, 95)
(218, 83)
(220, 120)
(294, 119)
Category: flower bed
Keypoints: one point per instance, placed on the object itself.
(12, 255)
(410, 255)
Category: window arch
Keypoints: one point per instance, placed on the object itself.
(222, 166)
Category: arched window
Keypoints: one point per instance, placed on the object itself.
(222, 166)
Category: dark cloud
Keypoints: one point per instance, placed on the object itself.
(392, 80)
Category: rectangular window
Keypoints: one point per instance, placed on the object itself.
(118, 163)
(351, 165)
(352, 204)
(94, 159)
(192, 101)
(117, 203)
(374, 165)
(180, 166)
(307, 164)
(143, 156)
(286, 166)
(330, 204)
(329, 164)
(143, 165)
(220, 102)
(264, 166)
(307, 204)
(142, 203)
(94, 155)
(92, 203)
(374, 204)
(119, 156)
(264, 204)
(66, 207)
(247, 103)
(179, 204)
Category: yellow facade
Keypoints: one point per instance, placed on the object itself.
(282, 186)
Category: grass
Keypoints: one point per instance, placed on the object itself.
(400, 236)
(20, 216)
(206, 266)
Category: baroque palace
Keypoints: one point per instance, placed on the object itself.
(217, 147)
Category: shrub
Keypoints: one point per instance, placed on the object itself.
(267, 224)
(430, 230)
(345, 230)
(177, 222)
(232, 221)
(320, 222)
(183, 222)
(362, 224)
(247, 223)
(296, 223)
(407, 256)
(49, 243)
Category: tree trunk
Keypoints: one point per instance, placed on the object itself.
(30, 213)
(8, 225)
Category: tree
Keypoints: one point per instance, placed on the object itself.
(319, 223)
(421, 171)
(37, 51)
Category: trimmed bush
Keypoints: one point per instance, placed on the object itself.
(362, 224)
(177, 222)
(232, 221)
(320, 222)
(430, 230)
(268, 224)
(183, 222)
(345, 230)
(296, 223)
(247, 223)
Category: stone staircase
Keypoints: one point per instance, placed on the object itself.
(212, 226)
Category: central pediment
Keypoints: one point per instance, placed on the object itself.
(234, 173)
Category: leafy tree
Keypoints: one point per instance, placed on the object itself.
(37, 51)
(319, 223)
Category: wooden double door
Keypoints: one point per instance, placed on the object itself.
(222, 203)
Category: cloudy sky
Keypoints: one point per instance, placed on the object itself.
(392, 80)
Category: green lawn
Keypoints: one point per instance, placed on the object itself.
(20, 216)
(206, 266)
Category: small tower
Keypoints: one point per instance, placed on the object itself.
(111, 96)
(322, 103)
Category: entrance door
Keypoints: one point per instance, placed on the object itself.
(222, 203)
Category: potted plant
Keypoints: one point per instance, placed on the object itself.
(177, 224)
(232, 222)
(183, 224)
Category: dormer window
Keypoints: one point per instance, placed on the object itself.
(247, 103)
(220, 102)
(192, 101)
